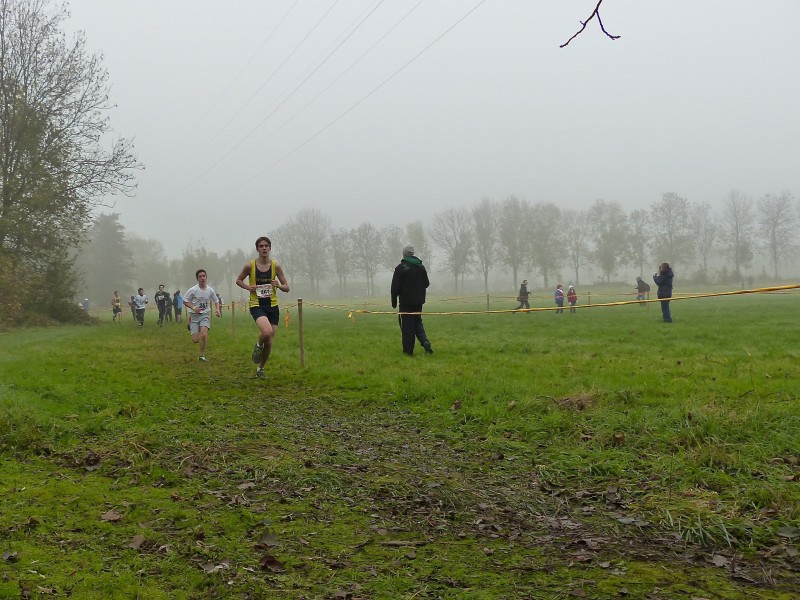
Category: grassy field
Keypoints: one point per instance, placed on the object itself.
(603, 454)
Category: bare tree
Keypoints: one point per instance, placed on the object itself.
(776, 225)
(575, 224)
(515, 228)
(393, 244)
(286, 248)
(705, 232)
(452, 232)
(608, 226)
(367, 247)
(672, 229)
(547, 245)
(485, 222)
(343, 252)
(595, 13)
(418, 238)
(738, 224)
(231, 263)
(639, 234)
(311, 232)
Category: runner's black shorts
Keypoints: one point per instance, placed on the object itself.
(272, 313)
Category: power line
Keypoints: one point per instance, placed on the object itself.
(261, 87)
(360, 101)
(299, 85)
(239, 74)
(230, 85)
(341, 75)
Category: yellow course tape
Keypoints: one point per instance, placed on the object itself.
(352, 311)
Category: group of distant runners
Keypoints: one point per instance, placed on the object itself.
(262, 277)
(167, 304)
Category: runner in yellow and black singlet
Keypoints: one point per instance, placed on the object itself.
(264, 278)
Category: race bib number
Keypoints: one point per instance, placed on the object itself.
(264, 291)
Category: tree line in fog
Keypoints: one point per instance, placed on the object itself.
(510, 237)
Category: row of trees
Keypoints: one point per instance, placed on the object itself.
(514, 235)
(115, 260)
(511, 237)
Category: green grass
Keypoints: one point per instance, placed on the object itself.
(531, 456)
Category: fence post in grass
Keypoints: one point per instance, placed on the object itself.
(300, 330)
(589, 296)
(233, 319)
(487, 302)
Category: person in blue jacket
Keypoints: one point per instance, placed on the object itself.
(663, 279)
(559, 298)
(177, 302)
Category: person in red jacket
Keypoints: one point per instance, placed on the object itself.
(572, 298)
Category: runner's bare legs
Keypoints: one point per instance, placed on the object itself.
(265, 339)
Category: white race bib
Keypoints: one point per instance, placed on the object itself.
(264, 291)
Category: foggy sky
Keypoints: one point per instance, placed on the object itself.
(696, 98)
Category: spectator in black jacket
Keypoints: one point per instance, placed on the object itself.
(523, 295)
(642, 289)
(409, 283)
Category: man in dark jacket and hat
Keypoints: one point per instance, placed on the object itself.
(409, 283)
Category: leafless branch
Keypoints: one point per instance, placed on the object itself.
(595, 13)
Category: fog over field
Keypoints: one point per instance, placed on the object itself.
(246, 112)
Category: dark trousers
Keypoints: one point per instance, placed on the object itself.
(665, 310)
(140, 316)
(162, 310)
(411, 327)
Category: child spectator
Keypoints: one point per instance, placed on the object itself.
(572, 298)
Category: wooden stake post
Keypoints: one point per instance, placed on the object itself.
(300, 330)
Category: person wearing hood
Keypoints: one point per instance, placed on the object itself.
(663, 279)
(572, 299)
(409, 282)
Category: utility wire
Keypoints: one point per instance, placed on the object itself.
(361, 101)
(280, 66)
(297, 87)
(239, 74)
(261, 87)
(341, 75)
(200, 119)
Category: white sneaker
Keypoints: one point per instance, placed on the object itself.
(202, 359)
(260, 374)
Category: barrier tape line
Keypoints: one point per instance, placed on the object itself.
(353, 311)
(244, 307)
